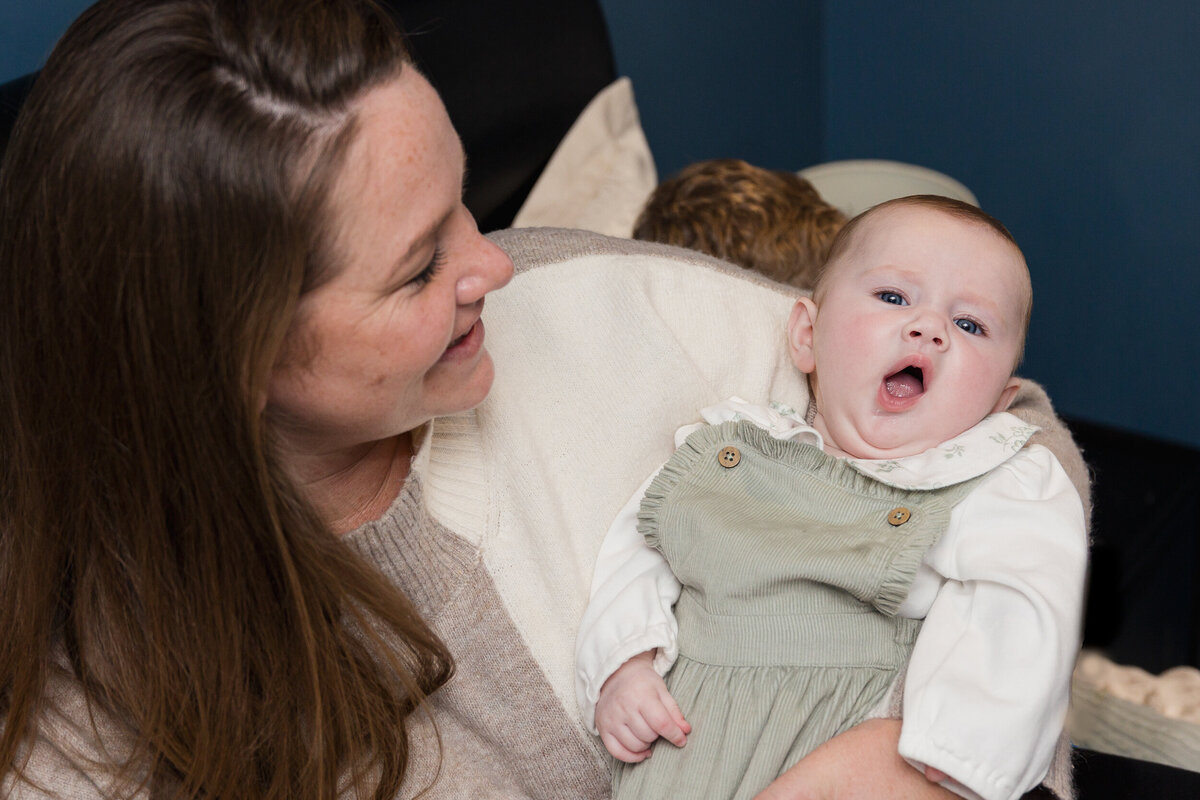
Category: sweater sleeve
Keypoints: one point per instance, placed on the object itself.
(630, 610)
(76, 752)
(987, 688)
(50, 774)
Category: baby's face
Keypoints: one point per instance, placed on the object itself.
(916, 334)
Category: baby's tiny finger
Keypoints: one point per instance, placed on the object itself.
(639, 726)
(669, 702)
(664, 725)
(620, 752)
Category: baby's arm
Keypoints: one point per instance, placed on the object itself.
(630, 610)
(635, 708)
(986, 690)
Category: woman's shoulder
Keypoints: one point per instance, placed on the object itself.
(76, 752)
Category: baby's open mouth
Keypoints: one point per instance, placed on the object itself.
(908, 382)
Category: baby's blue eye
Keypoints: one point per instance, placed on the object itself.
(895, 298)
(970, 326)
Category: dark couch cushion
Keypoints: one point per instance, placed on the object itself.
(12, 94)
(1144, 594)
(514, 76)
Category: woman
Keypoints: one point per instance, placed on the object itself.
(238, 279)
(254, 243)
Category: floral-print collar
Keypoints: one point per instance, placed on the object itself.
(980, 449)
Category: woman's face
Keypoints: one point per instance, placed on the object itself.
(395, 337)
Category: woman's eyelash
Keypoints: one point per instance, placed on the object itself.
(431, 270)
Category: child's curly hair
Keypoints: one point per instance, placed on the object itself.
(770, 221)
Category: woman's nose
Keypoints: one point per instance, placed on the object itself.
(489, 269)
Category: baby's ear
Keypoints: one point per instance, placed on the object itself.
(800, 334)
(1007, 395)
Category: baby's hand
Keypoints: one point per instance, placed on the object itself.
(635, 708)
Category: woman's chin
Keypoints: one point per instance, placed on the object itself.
(469, 390)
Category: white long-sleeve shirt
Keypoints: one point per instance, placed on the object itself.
(1001, 593)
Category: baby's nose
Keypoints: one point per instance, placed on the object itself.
(927, 330)
(916, 333)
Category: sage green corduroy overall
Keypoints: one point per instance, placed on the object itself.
(793, 565)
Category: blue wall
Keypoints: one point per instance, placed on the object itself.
(716, 79)
(28, 30)
(1076, 123)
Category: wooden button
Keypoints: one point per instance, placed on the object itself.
(898, 515)
(729, 457)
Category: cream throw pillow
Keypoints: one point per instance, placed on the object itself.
(601, 173)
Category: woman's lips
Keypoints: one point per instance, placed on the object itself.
(467, 345)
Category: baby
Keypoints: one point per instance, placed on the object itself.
(903, 525)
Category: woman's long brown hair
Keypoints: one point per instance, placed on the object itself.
(162, 206)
